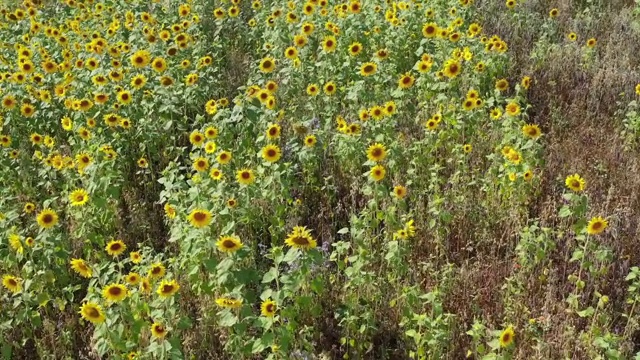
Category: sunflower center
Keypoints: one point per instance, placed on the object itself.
(270, 308)
(47, 218)
(597, 225)
(246, 175)
(13, 283)
(368, 68)
(115, 291)
(93, 312)
(115, 247)
(228, 244)
(167, 288)
(199, 216)
(271, 153)
(300, 240)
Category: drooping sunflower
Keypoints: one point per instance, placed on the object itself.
(92, 312)
(300, 238)
(507, 337)
(47, 218)
(271, 153)
(115, 247)
(167, 288)
(79, 197)
(597, 225)
(229, 244)
(158, 330)
(81, 267)
(376, 152)
(268, 308)
(114, 292)
(245, 176)
(377, 173)
(229, 303)
(200, 218)
(368, 69)
(532, 131)
(12, 283)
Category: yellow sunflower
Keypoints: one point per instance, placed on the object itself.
(115, 247)
(133, 278)
(200, 164)
(158, 330)
(47, 218)
(81, 267)
(507, 337)
(12, 283)
(200, 218)
(597, 225)
(271, 153)
(245, 176)
(575, 182)
(368, 68)
(114, 292)
(377, 173)
(229, 244)
(300, 238)
(267, 65)
(229, 303)
(399, 191)
(268, 308)
(92, 312)
(79, 197)
(167, 288)
(532, 131)
(376, 152)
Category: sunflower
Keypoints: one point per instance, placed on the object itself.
(355, 48)
(553, 12)
(29, 207)
(245, 176)
(157, 270)
(638, 89)
(430, 30)
(114, 292)
(310, 141)
(167, 288)
(313, 89)
(133, 278)
(143, 163)
(291, 53)
(210, 147)
(158, 330)
(406, 81)
(81, 267)
(115, 247)
(572, 36)
(502, 85)
(467, 148)
(532, 131)
(329, 44)
(330, 88)
(496, 113)
(513, 109)
(216, 174)
(124, 97)
(399, 191)
(267, 65)
(140, 59)
(378, 172)
(229, 244)
(431, 124)
(12, 283)
(273, 131)
(597, 225)
(511, 4)
(452, 68)
(268, 308)
(47, 218)
(271, 153)
(232, 202)
(78, 197)
(591, 42)
(200, 164)
(135, 257)
(528, 175)
(200, 218)
(368, 68)
(196, 138)
(300, 238)
(507, 336)
(224, 157)
(138, 81)
(159, 64)
(92, 312)
(229, 303)
(376, 152)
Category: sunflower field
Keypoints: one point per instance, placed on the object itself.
(319, 179)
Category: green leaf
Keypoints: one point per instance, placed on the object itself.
(343, 230)
(270, 275)
(292, 255)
